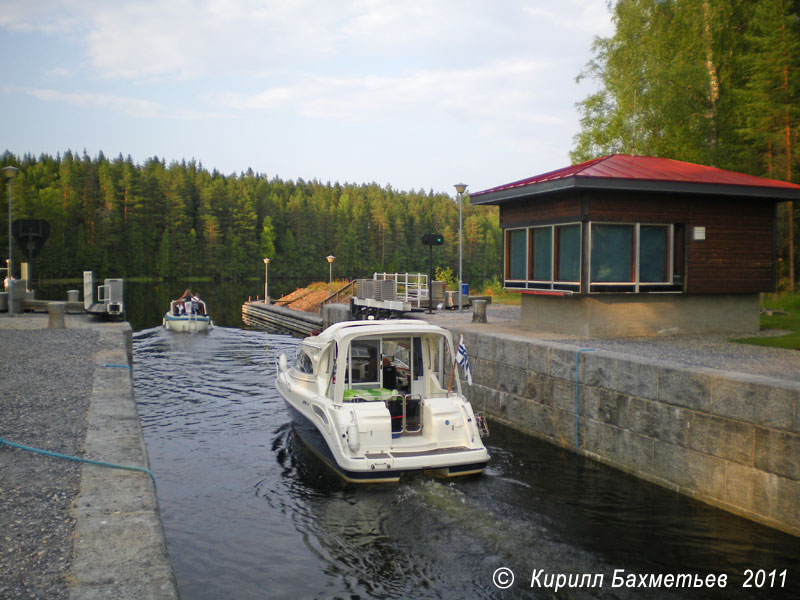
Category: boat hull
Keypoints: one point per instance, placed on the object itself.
(310, 434)
(186, 324)
(313, 439)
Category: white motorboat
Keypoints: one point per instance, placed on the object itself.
(188, 315)
(376, 399)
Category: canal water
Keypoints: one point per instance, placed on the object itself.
(249, 512)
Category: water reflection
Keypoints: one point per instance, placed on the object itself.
(249, 512)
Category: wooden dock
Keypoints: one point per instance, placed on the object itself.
(272, 317)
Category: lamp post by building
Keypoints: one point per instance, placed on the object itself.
(10, 172)
(330, 258)
(460, 188)
(266, 281)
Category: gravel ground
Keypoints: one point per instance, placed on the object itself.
(711, 351)
(46, 381)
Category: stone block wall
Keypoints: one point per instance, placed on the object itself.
(729, 439)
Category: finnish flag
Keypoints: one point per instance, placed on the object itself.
(462, 360)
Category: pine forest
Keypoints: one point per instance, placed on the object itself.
(180, 221)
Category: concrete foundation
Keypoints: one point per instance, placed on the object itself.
(633, 315)
(728, 439)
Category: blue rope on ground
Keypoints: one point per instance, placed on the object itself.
(118, 366)
(80, 460)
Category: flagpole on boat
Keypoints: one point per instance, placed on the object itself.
(453, 371)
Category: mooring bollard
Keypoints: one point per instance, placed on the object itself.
(56, 311)
(72, 295)
(479, 311)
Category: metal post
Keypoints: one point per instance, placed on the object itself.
(266, 281)
(460, 279)
(10, 172)
(430, 280)
(330, 260)
(460, 188)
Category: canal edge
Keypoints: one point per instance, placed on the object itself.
(119, 548)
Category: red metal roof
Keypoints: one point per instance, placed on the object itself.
(645, 168)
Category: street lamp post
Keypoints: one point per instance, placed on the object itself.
(266, 281)
(460, 188)
(330, 258)
(10, 172)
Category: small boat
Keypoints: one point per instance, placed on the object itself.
(377, 399)
(188, 314)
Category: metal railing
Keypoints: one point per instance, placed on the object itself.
(342, 294)
(411, 287)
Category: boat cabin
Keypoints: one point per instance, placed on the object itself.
(635, 245)
(358, 362)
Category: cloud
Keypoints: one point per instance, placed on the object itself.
(148, 40)
(588, 17)
(128, 106)
(506, 89)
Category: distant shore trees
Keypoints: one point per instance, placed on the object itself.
(122, 219)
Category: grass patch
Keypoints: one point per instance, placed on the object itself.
(509, 298)
(789, 303)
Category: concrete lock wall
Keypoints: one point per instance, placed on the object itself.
(728, 439)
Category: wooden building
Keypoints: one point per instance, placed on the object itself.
(634, 245)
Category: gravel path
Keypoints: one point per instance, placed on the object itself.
(711, 351)
(46, 382)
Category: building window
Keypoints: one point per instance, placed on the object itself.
(612, 253)
(626, 257)
(542, 254)
(568, 243)
(516, 254)
(544, 258)
(653, 253)
(623, 257)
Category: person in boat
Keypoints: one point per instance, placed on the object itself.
(182, 304)
(197, 305)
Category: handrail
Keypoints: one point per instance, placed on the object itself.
(338, 294)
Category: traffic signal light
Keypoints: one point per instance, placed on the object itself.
(433, 239)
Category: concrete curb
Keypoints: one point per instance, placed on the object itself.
(120, 549)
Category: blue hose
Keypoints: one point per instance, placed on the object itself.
(80, 460)
(577, 387)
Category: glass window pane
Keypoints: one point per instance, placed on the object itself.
(568, 239)
(542, 259)
(517, 254)
(364, 361)
(653, 257)
(612, 253)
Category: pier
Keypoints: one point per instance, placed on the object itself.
(261, 315)
(75, 530)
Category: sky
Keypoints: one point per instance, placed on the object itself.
(415, 94)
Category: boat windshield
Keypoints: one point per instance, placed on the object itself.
(303, 363)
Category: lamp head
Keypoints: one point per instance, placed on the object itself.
(461, 187)
(266, 261)
(10, 171)
(330, 258)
